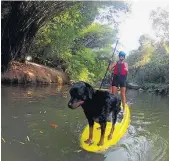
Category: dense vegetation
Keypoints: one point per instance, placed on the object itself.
(20, 22)
(77, 37)
(79, 40)
(73, 35)
(150, 63)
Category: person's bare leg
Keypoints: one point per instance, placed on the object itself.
(114, 89)
(123, 96)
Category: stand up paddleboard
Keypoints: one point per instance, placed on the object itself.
(119, 131)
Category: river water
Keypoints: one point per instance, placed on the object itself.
(37, 125)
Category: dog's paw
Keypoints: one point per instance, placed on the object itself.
(100, 144)
(109, 137)
(88, 141)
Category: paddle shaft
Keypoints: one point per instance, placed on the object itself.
(108, 65)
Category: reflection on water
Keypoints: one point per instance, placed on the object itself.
(27, 134)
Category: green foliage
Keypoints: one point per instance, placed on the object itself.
(86, 67)
(75, 39)
(55, 39)
(149, 65)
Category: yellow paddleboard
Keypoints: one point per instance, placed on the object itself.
(120, 130)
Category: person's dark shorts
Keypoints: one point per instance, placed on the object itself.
(119, 80)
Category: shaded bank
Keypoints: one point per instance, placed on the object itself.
(150, 87)
(32, 73)
(20, 23)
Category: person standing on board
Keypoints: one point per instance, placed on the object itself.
(120, 70)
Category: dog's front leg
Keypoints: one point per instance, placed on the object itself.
(103, 128)
(90, 139)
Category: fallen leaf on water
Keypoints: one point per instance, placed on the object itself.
(41, 132)
(22, 142)
(28, 138)
(53, 125)
(3, 140)
(77, 151)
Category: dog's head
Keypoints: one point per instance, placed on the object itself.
(80, 92)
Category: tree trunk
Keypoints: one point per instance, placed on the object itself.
(20, 22)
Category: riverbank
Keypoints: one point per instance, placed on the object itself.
(157, 88)
(32, 73)
(151, 87)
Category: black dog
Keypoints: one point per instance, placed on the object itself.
(99, 106)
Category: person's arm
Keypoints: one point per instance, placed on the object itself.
(111, 67)
(126, 67)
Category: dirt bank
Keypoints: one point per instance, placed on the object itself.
(32, 73)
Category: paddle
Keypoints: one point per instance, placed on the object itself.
(108, 65)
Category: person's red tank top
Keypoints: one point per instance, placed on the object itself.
(119, 69)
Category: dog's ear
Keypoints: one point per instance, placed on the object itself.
(90, 90)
